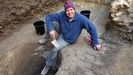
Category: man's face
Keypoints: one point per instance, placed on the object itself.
(70, 12)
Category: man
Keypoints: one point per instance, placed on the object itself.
(71, 24)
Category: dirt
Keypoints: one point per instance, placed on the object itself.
(11, 20)
(20, 53)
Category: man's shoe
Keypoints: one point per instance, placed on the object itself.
(44, 40)
(45, 70)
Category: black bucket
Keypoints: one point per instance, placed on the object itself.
(39, 27)
(86, 13)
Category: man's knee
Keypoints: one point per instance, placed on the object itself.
(56, 26)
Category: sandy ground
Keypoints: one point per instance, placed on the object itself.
(20, 53)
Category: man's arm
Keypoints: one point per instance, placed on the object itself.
(49, 24)
(49, 19)
(91, 29)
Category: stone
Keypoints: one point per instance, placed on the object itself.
(131, 15)
(118, 5)
(0, 27)
(121, 18)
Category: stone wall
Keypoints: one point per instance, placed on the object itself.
(121, 19)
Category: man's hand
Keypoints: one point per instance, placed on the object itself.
(53, 34)
(98, 47)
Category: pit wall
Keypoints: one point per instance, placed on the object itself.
(16, 11)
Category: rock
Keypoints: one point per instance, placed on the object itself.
(131, 15)
(121, 18)
(0, 27)
(34, 54)
(116, 18)
(118, 7)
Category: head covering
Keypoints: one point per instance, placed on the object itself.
(68, 4)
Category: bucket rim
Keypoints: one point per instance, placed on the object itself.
(85, 11)
(38, 23)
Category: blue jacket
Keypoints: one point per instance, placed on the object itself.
(71, 30)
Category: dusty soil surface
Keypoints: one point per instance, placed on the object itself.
(20, 53)
(81, 59)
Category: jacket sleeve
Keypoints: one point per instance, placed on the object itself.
(91, 29)
(49, 19)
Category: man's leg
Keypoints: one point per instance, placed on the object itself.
(46, 37)
(53, 53)
(56, 26)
